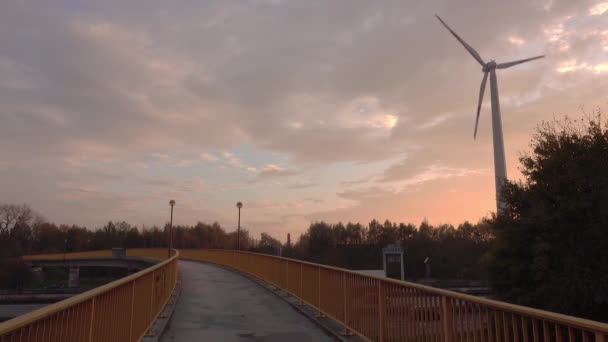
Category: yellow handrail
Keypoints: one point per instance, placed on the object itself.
(122, 310)
(382, 309)
(73, 255)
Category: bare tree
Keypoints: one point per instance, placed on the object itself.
(12, 215)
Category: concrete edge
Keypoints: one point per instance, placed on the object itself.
(158, 327)
(330, 326)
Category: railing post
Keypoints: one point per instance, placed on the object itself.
(92, 319)
(175, 272)
(446, 319)
(319, 290)
(346, 331)
(344, 300)
(301, 287)
(152, 285)
(600, 337)
(149, 332)
(132, 310)
(380, 312)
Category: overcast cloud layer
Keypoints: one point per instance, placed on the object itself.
(303, 110)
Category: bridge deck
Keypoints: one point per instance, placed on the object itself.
(220, 305)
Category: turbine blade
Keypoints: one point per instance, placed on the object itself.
(510, 64)
(482, 90)
(466, 46)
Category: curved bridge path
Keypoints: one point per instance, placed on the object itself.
(220, 305)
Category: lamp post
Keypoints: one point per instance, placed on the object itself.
(238, 232)
(171, 203)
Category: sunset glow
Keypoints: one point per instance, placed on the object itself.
(383, 121)
(599, 8)
(516, 41)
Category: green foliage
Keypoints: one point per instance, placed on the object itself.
(552, 245)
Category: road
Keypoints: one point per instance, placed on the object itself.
(221, 305)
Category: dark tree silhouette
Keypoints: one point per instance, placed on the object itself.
(552, 245)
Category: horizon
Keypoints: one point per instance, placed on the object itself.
(243, 227)
(302, 111)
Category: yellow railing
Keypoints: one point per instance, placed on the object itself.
(156, 253)
(381, 309)
(377, 309)
(122, 310)
(88, 254)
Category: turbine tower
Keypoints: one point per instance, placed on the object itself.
(500, 168)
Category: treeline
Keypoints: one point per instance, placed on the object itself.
(453, 252)
(23, 231)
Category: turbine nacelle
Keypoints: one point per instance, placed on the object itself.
(489, 66)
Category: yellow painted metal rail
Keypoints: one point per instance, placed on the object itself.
(122, 310)
(381, 309)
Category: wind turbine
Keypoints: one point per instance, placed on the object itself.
(500, 169)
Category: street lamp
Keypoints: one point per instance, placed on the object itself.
(171, 203)
(238, 233)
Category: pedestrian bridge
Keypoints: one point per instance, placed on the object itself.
(216, 301)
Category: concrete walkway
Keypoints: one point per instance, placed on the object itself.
(220, 305)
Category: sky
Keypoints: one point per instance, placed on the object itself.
(304, 111)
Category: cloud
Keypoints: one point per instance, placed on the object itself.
(366, 194)
(571, 66)
(272, 170)
(314, 200)
(269, 170)
(208, 157)
(301, 185)
(231, 160)
(387, 121)
(599, 8)
(437, 120)
(183, 163)
(269, 204)
(435, 172)
(516, 41)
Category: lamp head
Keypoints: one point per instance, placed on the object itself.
(171, 203)
(239, 205)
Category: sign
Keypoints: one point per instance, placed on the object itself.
(392, 261)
